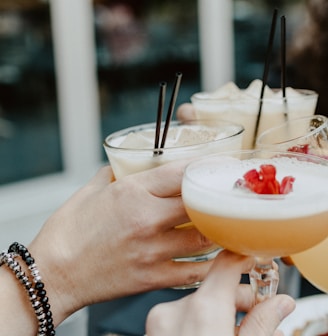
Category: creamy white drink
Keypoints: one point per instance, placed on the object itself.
(132, 150)
(242, 106)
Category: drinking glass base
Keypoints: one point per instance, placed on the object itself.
(264, 279)
(199, 258)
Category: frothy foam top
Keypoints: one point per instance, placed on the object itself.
(231, 91)
(209, 188)
(176, 137)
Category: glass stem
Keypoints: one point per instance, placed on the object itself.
(264, 279)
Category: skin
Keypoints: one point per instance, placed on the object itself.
(185, 112)
(115, 239)
(211, 310)
(107, 241)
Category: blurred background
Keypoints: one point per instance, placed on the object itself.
(73, 71)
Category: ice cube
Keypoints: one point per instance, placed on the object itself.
(140, 140)
(229, 90)
(171, 137)
(290, 92)
(188, 136)
(254, 90)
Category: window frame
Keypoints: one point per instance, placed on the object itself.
(24, 206)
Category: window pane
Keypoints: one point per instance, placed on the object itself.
(140, 44)
(29, 132)
(252, 23)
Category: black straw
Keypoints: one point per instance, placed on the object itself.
(160, 108)
(283, 60)
(266, 71)
(171, 107)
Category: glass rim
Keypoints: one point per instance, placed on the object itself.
(229, 154)
(174, 123)
(207, 96)
(284, 124)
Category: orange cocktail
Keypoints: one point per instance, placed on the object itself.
(261, 225)
(286, 236)
(309, 264)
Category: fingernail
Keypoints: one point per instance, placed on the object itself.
(285, 306)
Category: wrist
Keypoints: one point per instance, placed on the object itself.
(64, 272)
(55, 271)
(16, 258)
(15, 303)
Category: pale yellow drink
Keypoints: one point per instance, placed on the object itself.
(312, 264)
(242, 106)
(131, 150)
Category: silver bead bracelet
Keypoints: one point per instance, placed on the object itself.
(35, 288)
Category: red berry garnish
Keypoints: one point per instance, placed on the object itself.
(264, 181)
(299, 149)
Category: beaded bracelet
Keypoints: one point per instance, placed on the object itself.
(37, 293)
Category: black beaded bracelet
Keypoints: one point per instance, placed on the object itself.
(9, 260)
(37, 293)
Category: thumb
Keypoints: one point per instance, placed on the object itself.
(264, 318)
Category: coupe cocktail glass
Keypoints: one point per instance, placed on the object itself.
(265, 226)
(309, 262)
(308, 135)
(131, 150)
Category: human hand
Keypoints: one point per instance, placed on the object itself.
(186, 112)
(211, 310)
(115, 239)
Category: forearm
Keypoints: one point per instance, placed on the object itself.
(92, 249)
(17, 316)
(57, 268)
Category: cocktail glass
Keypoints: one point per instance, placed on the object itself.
(308, 263)
(129, 152)
(242, 106)
(308, 135)
(196, 138)
(265, 226)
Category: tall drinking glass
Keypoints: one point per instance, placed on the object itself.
(242, 106)
(131, 150)
(218, 193)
